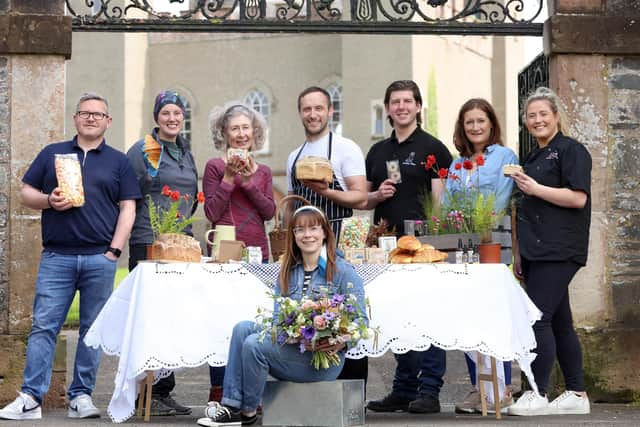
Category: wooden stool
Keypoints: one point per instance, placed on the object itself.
(492, 378)
(145, 398)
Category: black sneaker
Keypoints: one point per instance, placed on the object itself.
(248, 421)
(219, 415)
(159, 409)
(390, 403)
(425, 405)
(171, 403)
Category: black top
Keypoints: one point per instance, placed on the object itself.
(407, 202)
(548, 232)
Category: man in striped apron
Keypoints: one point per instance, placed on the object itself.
(347, 190)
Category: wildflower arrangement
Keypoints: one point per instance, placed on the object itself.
(309, 322)
(466, 211)
(170, 220)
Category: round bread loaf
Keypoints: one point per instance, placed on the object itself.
(409, 243)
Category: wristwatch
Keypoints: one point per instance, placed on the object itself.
(117, 252)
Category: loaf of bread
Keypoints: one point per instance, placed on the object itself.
(314, 169)
(425, 253)
(176, 247)
(509, 170)
(69, 176)
(428, 255)
(409, 243)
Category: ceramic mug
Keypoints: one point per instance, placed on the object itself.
(221, 232)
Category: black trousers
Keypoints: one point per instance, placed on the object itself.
(547, 284)
(165, 385)
(355, 369)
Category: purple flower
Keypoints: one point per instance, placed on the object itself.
(336, 300)
(350, 308)
(289, 320)
(329, 316)
(308, 332)
(282, 337)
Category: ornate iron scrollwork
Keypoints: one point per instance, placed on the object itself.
(535, 74)
(349, 16)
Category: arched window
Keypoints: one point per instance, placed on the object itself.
(335, 121)
(259, 102)
(186, 126)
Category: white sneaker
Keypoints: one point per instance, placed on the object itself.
(570, 403)
(24, 407)
(82, 407)
(530, 404)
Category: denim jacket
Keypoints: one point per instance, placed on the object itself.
(345, 281)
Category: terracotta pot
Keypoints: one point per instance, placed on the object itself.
(489, 253)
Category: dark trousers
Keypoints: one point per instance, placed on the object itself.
(165, 385)
(355, 369)
(420, 373)
(547, 284)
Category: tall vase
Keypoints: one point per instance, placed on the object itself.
(489, 253)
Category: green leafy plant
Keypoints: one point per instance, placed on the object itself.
(170, 220)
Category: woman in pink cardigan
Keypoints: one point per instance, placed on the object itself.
(238, 191)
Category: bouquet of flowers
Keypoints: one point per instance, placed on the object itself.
(308, 322)
(170, 220)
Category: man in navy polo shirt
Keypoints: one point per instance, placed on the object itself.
(81, 246)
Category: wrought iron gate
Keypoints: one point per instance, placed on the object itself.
(497, 17)
(536, 74)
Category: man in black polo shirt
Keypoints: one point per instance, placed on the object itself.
(81, 246)
(397, 180)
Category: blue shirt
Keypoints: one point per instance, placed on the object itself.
(489, 177)
(107, 178)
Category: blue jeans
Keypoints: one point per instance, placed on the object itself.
(58, 279)
(419, 373)
(250, 361)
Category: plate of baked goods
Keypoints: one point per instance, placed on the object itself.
(411, 251)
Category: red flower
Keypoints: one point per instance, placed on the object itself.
(431, 160)
(458, 166)
(200, 197)
(166, 191)
(175, 196)
(453, 176)
(443, 173)
(480, 160)
(467, 164)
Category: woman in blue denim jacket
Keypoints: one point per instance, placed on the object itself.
(311, 267)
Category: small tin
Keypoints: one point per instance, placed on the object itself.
(254, 254)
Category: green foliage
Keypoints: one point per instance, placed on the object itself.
(484, 217)
(432, 104)
(167, 221)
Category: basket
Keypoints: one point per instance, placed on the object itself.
(278, 236)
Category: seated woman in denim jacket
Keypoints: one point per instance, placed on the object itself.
(310, 267)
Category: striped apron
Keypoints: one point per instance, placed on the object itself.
(334, 212)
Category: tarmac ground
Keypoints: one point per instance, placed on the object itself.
(192, 389)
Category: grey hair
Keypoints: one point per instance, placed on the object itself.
(219, 118)
(545, 94)
(89, 96)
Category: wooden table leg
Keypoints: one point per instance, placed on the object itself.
(481, 379)
(143, 383)
(493, 379)
(496, 388)
(147, 405)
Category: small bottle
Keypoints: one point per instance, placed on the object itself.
(465, 255)
(459, 252)
(476, 255)
(470, 252)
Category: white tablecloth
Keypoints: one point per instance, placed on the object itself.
(167, 316)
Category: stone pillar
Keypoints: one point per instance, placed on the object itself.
(35, 40)
(594, 52)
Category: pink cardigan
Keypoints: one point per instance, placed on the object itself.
(245, 205)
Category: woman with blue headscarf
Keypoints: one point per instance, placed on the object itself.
(162, 158)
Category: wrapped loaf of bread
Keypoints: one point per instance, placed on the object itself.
(314, 169)
(509, 170)
(69, 176)
(176, 247)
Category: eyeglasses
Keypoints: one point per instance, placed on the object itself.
(299, 231)
(97, 115)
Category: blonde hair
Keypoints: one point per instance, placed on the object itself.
(545, 94)
(219, 118)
